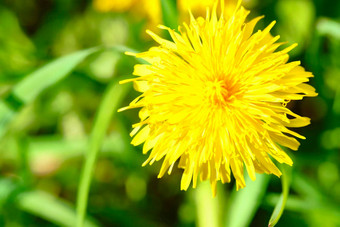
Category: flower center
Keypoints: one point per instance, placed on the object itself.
(217, 92)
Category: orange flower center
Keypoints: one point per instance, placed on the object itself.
(217, 92)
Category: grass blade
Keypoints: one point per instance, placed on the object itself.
(48, 207)
(280, 206)
(33, 84)
(244, 203)
(109, 105)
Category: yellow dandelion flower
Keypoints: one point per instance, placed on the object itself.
(200, 7)
(215, 98)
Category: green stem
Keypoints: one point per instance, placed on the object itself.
(109, 105)
(207, 206)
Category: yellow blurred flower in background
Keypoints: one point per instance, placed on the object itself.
(215, 99)
(148, 9)
(151, 9)
(113, 5)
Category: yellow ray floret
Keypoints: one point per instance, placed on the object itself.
(215, 98)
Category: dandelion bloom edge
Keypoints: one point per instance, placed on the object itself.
(215, 98)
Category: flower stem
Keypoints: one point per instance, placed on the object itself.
(207, 207)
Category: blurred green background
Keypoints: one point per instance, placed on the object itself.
(54, 109)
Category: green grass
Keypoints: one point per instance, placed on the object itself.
(65, 152)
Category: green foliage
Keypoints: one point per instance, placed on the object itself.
(280, 205)
(295, 22)
(16, 50)
(169, 13)
(48, 207)
(243, 204)
(60, 63)
(110, 104)
(30, 87)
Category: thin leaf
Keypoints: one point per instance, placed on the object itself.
(109, 105)
(280, 206)
(244, 203)
(33, 84)
(308, 206)
(122, 49)
(310, 201)
(50, 208)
